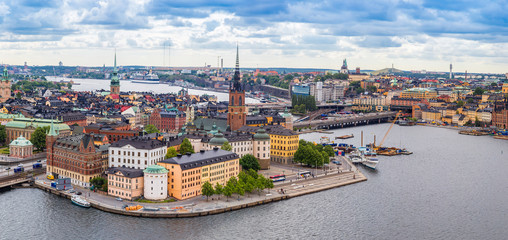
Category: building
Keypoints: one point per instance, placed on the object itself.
(283, 142)
(5, 86)
(188, 172)
(21, 148)
(72, 118)
(261, 148)
(115, 82)
(26, 126)
(344, 69)
(419, 93)
(237, 114)
(156, 182)
(168, 121)
(75, 157)
(137, 153)
(126, 183)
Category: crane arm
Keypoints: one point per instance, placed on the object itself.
(389, 129)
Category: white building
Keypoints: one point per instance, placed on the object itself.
(137, 153)
(155, 182)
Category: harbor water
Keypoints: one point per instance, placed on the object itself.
(453, 187)
(127, 85)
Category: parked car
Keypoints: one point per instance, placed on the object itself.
(337, 162)
(78, 193)
(20, 165)
(39, 160)
(72, 191)
(119, 199)
(8, 168)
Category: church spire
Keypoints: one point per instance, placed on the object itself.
(6, 74)
(114, 68)
(52, 131)
(237, 86)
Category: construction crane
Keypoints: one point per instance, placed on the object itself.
(389, 129)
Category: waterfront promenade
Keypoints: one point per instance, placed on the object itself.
(199, 206)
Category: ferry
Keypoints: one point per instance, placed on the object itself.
(149, 78)
(80, 201)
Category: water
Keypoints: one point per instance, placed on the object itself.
(452, 187)
(126, 85)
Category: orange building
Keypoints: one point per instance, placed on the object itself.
(188, 172)
(237, 115)
(126, 183)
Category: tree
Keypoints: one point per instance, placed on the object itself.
(226, 146)
(460, 103)
(186, 147)
(3, 135)
(38, 138)
(207, 190)
(219, 189)
(150, 128)
(478, 91)
(171, 153)
(248, 161)
(18, 95)
(100, 183)
(230, 187)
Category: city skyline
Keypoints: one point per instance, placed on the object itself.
(412, 35)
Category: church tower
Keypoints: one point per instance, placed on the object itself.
(5, 86)
(237, 117)
(115, 83)
(51, 137)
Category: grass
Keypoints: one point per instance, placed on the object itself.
(5, 151)
(148, 201)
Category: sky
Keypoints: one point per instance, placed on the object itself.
(370, 34)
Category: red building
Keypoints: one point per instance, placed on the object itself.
(114, 132)
(167, 121)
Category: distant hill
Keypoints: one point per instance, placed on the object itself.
(385, 71)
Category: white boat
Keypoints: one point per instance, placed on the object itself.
(356, 158)
(370, 162)
(80, 201)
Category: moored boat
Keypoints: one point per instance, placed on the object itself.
(370, 162)
(77, 200)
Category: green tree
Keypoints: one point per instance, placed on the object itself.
(460, 103)
(259, 184)
(207, 189)
(240, 189)
(226, 146)
(100, 183)
(186, 147)
(248, 161)
(219, 189)
(150, 128)
(171, 153)
(3, 135)
(38, 138)
(230, 187)
(18, 95)
(478, 91)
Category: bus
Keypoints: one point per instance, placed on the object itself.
(19, 169)
(303, 174)
(278, 178)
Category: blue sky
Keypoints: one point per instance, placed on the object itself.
(411, 34)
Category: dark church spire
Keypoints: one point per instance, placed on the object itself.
(237, 86)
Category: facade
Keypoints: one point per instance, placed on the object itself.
(419, 93)
(115, 82)
(261, 148)
(126, 183)
(75, 157)
(237, 114)
(136, 153)
(26, 126)
(5, 86)
(21, 148)
(188, 172)
(168, 121)
(156, 182)
(72, 118)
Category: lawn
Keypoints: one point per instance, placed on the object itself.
(5, 150)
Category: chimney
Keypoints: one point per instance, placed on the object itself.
(179, 155)
(202, 151)
(188, 153)
(215, 148)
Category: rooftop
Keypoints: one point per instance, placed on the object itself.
(202, 158)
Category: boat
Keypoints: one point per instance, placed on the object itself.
(149, 78)
(356, 158)
(406, 123)
(80, 201)
(326, 141)
(504, 137)
(345, 137)
(370, 162)
(133, 208)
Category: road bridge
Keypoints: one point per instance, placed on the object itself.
(370, 118)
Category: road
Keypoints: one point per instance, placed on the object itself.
(26, 166)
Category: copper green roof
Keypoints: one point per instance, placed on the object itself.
(10, 116)
(21, 141)
(218, 140)
(155, 169)
(35, 123)
(261, 134)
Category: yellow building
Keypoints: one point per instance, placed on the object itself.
(431, 115)
(283, 143)
(188, 172)
(419, 93)
(505, 88)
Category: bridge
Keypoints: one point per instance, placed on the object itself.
(370, 118)
(18, 178)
